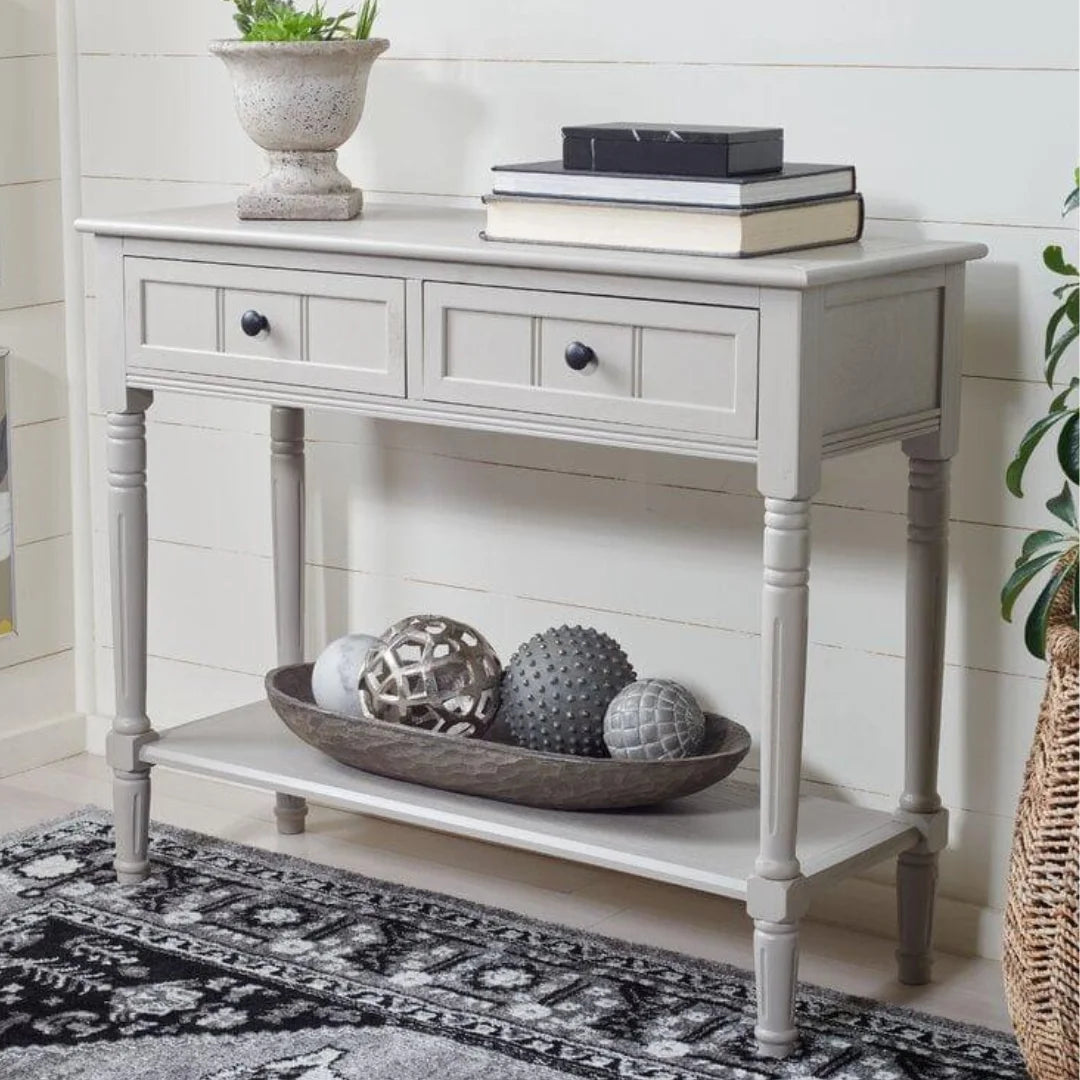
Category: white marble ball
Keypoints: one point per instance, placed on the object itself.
(335, 679)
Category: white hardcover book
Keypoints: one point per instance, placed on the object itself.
(679, 230)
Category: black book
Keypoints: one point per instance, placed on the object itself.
(793, 183)
(673, 150)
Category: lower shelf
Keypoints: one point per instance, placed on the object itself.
(708, 841)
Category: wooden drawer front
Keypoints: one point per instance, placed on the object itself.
(687, 367)
(326, 330)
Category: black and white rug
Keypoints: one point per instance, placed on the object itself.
(235, 964)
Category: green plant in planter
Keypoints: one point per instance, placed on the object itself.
(1052, 553)
(279, 20)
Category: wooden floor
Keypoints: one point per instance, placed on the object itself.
(610, 903)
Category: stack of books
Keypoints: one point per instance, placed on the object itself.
(688, 190)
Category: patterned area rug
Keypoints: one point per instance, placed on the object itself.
(234, 964)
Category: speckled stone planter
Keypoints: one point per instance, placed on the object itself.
(299, 101)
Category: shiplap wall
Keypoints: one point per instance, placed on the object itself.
(963, 126)
(35, 663)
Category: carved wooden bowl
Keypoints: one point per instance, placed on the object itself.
(497, 769)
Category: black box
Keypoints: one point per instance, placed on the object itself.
(686, 150)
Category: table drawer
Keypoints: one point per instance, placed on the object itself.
(687, 367)
(334, 331)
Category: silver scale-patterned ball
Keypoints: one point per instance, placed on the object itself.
(654, 720)
(557, 688)
(432, 672)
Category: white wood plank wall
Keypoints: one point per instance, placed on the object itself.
(35, 663)
(961, 119)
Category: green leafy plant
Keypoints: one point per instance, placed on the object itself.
(1054, 551)
(280, 20)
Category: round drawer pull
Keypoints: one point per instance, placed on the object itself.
(579, 356)
(254, 323)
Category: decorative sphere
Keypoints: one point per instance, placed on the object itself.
(654, 720)
(557, 688)
(432, 672)
(335, 679)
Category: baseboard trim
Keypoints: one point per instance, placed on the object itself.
(97, 728)
(857, 903)
(960, 927)
(29, 747)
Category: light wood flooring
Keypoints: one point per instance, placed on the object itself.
(618, 905)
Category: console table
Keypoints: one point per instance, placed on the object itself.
(406, 313)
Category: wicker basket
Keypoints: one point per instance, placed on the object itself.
(1041, 924)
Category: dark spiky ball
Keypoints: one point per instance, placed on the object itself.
(557, 687)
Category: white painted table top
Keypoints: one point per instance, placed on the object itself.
(453, 235)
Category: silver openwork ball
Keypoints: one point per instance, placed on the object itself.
(432, 672)
(654, 720)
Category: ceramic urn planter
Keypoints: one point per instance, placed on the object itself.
(299, 101)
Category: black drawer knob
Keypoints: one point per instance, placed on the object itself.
(254, 323)
(579, 356)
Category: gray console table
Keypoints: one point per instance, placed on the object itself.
(407, 313)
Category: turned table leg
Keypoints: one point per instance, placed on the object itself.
(126, 462)
(927, 583)
(287, 496)
(788, 475)
(773, 892)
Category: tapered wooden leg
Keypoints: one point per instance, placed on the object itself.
(126, 462)
(927, 584)
(785, 608)
(290, 812)
(776, 968)
(916, 882)
(287, 495)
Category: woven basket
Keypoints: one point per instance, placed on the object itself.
(1041, 921)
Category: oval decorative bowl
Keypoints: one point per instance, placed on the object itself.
(498, 770)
